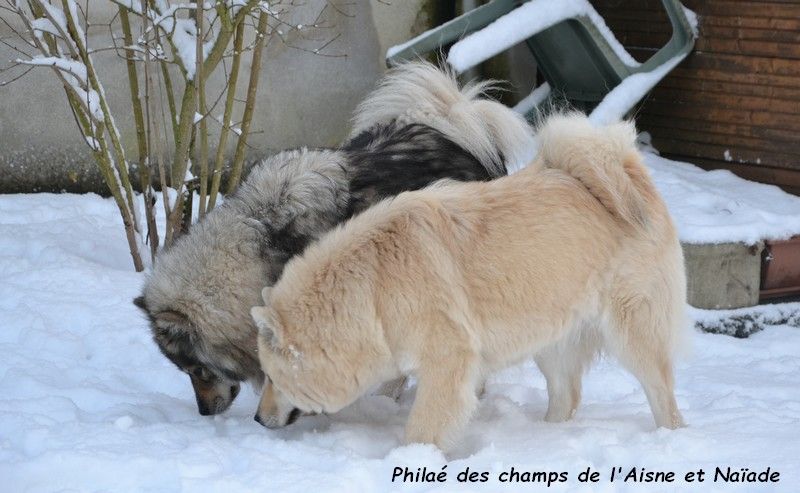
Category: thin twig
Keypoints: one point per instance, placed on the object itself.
(252, 87)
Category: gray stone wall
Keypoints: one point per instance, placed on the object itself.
(723, 276)
(304, 99)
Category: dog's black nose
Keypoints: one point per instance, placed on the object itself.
(257, 418)
(293, 416)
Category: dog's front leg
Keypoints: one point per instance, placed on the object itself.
(445, 398)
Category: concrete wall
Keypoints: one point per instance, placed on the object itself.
(723, 276)
(304, 99)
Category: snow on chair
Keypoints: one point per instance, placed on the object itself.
(575, 51)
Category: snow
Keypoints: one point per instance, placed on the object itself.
(87, 402)
(523, 22)
(718, 206)
(742, 322)
(43, 24)
(182, 32)
(92, 142)
(57, 15)
(620, 100)
(533, 100)
(66, 65)
(691, 16)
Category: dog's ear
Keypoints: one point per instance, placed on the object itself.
(139, 301)
(266, 320)
(173, 332)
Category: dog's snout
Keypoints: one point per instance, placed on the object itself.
(219, 404)
(210, 407)
(270, 421)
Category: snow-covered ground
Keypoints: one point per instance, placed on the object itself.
(87, 403)
(718, 206)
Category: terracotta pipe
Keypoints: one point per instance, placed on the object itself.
(780, 268)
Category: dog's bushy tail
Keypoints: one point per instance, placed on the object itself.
(605, 160)
(420, 92)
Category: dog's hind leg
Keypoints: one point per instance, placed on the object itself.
(563, 364)
(445, 397)
(643, 339)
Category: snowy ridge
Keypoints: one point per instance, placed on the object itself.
(523, 22)
(536, 97)
(620, 100)
(718, 206)
(742, 322)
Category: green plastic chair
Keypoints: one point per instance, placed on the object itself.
(573, 55)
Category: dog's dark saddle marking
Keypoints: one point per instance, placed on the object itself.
(393, 158)
(382, 162)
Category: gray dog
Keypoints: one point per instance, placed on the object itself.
(417, 127)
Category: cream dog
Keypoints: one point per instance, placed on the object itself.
(459, 280)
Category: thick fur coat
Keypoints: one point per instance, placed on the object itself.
(416, 128)
(458, 280)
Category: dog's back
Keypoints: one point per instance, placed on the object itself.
(511, 238)
(459, 279)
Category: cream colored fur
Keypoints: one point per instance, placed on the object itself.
(456, 281)
(420, 92)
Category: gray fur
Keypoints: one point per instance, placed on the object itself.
(420, 92)
(200, 291)
(213, 275)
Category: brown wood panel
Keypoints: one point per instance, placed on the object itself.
(742, 64)
(766, 148)
(789, 24)
(687, 84)
(734, 65)
(652, 34)
(776, 136)
(732, 19)
(718, 152)
(728, 46)
(739, 91)
(736, 77)
(666, 94)
(720, 32)
(752, 48)
(724, 115)
(744, 9)
(695, 5)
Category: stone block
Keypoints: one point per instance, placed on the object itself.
(722, 276)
